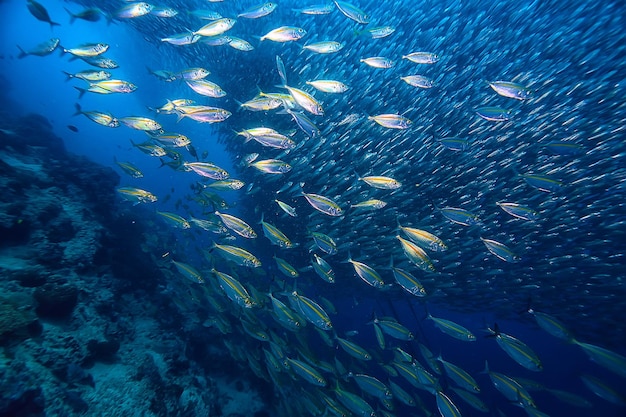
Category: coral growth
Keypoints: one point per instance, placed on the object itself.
(87, 323)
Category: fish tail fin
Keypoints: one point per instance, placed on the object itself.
(180, 116)
(492, 332)
(282, 73)
(72, 16)
(81, 91)
(68, 76)
(239, 105)
(79, 109)
(428, 315)
(53, 24)
(349, 259)
(486, 370)
(22, 53)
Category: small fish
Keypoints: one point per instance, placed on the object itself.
(551, 325)
(286, 208)
(324, 47)
(89, 75)
(234, 290)
(460, 216)
(163, 11)
(565, 148)
(193, 73)
(275, 236)
(91, 14)
(237, 225)
(455, 143)
(285, 316)
(179, 39)
(459, 376)
(307, 372)
(140, 123)
(319, 9)
(494, 114)
(286, 268)
(306, 101)
(324, 242)
(43, 49)
(602, 390)
(205, 14)
(174, 219)
(519, 211)
(510, 388)
(392, 121)
(40, 13)
(271, 166)
(352, 12)
(416, 255)
(284, 34)
(240, 44)
(418, 81)
(323, 204)
(517, 350)
(424, 238)
(237, 255)
(203, 114)
(136, 195)
(367, 274)
(132, 10)
(453, 329)
(312, 311)
(107, 87)
(500, 250)
(328, 86)
(129, 168)
(149, 148)
(542, 182)
(207, 170)
(378, 62)
(394, 329)
(258, 11)
(377, 32)
(353, 349)
(373, 203)
(227, 185)
(100, 62)
(510, 90)
(188, 272)
(422, 57)
(88, 50)
(445, 406)
(323, 269)
(381, 182)
(206, 88)
(409, 283)
(610, 360)
(371, 385)
(72, 128)
(216, 27)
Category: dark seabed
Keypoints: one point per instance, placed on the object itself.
(390, 208)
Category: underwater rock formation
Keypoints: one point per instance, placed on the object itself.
(87, 326)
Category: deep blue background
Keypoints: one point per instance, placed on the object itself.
(38, 85)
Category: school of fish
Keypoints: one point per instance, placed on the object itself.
(383, 150)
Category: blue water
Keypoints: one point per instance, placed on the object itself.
(573, 60)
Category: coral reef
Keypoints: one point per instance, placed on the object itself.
(87, 322)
